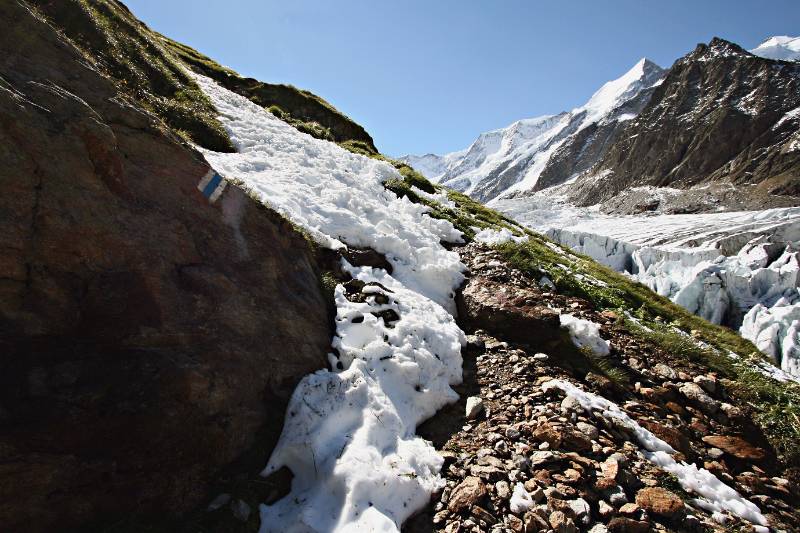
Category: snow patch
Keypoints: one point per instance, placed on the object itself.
(494, 236)
(521, 500)
(585, 334)
(440, 197)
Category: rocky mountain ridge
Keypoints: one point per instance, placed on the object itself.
(721, 122)
(722, 115)
(539, 152)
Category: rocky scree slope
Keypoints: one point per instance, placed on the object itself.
(521, 455)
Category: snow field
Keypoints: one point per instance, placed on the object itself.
(715, 496)
(349, 434)
(336, 195)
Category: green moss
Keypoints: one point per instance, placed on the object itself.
(414, 178)
(277, 111)
(329, 281)
(465, 216)
(672, 484)
(674, 330)
(610, 369)
(126, 50)
(314, 129)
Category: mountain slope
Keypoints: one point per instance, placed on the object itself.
(133, 283)
(721, 116)
(779, 47)
(150, 68)
(539, 152)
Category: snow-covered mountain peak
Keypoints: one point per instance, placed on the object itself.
(780, 47)
(513, 158)
(612, 94)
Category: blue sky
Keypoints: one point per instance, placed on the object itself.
(428, 76)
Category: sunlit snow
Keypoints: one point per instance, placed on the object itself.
(349, 436)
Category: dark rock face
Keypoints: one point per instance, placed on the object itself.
(146, 334)
(721, 115)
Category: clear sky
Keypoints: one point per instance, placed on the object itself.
(429, 75)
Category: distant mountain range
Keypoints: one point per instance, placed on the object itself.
(720, 116)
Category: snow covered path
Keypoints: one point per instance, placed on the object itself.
(349, 436)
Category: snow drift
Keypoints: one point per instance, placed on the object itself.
(714, 495)
(349, 433)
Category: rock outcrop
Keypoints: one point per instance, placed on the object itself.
(148, 328)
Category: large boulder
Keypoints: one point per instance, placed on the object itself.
(513, 315)
(146, 333)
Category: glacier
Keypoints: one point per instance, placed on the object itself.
(739, 269)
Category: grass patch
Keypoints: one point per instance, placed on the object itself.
(578, 275)
(607, 367)
(128, 52)
(776, 406)
(465, 216)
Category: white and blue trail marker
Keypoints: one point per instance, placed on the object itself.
(212, 185)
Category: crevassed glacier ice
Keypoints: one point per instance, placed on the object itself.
(740, 269)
